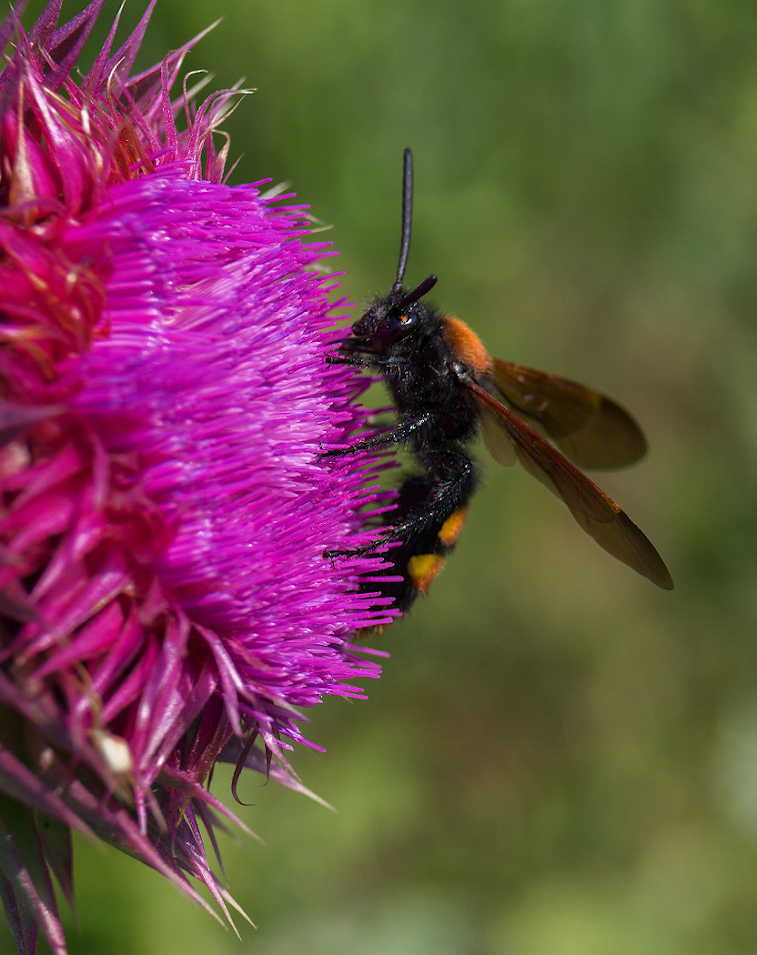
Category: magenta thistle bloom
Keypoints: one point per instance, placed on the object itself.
(164, 397)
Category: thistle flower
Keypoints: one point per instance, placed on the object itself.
(164, 599)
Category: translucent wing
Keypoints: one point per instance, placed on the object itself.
(590, 428)
(496, 439)
(597, 514)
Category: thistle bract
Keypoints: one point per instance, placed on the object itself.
(164, 402)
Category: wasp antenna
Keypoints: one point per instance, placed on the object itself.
(407, 214)
(418, 292)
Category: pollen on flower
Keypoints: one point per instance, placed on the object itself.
(115, 751)
(165, 507)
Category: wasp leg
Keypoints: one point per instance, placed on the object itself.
(430, 515)
(398, 435)
(426, 523)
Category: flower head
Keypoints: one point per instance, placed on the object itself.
(164, 399)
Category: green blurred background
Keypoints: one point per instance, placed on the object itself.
(559, 759)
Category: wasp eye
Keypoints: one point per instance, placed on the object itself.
(404, 323)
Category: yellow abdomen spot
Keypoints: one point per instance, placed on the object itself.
(451, 528)
(423, 568)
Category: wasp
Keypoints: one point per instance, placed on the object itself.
(446, 389)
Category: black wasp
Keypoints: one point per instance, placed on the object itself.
(445, 387)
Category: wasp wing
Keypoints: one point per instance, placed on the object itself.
(596, 513)
(496, 439)
(590, 428)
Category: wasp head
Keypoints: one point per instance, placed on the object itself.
(390, 321)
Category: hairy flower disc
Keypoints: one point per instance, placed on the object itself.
(164, 402)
